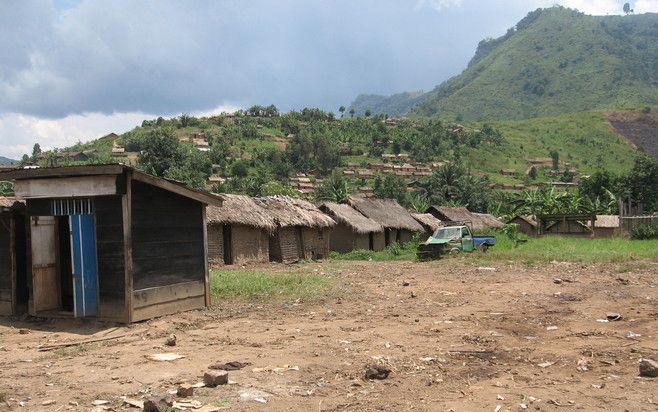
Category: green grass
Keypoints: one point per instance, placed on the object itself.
(570, 249)
(253, 285)
(393, 252)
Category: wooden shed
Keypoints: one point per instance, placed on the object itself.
(302, 232)
(112, 243)
(239, 231)
(527, 224)
(428, 222)
(353, 231)
(13, 257)
(398, 224)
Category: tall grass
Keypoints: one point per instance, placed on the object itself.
(253, 285)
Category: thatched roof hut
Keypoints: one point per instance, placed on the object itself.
(241, 210)
(345, 214)
(428, 221)
(489, 221)
(451, 214)
(386, 212)
(287, 211)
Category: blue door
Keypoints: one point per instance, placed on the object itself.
(84, 265)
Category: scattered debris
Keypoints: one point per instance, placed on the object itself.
(486, 269)
(557, 281)
(545, 364)
(23, 331)
(583, 365)
(82, 342)
(99, 402)
(405, 283)
(48, 402)
(229, 366)
(186, 405)
(256, 396)
(632, 335)
(214, 378)
(623, 281)
(165, 357)
(185, 390)
(377, 372)
(275, 369)
(171, 340)
(551, 328)
(648, 368)
(134, 403)
(500, 397)
(159, 404)
(613, 316)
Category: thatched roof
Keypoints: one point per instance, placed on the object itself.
(607, 221)
(489, 221)
(241, 210)
(428, 221)
(9, 202)
(287, 211)
(386, 212)
(350, 217)
(526, 218)
(451, 214)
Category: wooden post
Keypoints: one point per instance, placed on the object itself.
(12, 256)
(205, 253)
(126, 207)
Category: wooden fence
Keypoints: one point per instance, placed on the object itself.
(627, 223)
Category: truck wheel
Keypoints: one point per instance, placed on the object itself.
(455, 251)
(483, 247)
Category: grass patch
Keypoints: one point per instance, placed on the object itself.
(559, 248)
(252, 285)
(393, 252)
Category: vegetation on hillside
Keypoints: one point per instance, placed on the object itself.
(555, 61)
(393, 105)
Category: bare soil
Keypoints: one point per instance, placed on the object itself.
(640, 129)
(457, 337)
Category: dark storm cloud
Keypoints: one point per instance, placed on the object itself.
(182, 56)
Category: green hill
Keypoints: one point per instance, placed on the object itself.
(6, 160)
(555, 61)
(391, 105)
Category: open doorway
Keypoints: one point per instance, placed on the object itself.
(226, 241)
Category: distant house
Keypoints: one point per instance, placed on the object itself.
(110, 136)
(239, 231)
(303, 231)
(110, 242)
(353, 231)
(399, 225)
(567, 225)
(527, 224)
(428, 222)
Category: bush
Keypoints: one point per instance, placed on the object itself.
(649, 231)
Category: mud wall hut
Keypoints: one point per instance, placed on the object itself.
(13, 257)
(302, 232)
(239, 232)
(112, 243)
(527, 224)
(399, 225)
(353, 231)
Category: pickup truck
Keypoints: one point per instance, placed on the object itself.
(453, 240)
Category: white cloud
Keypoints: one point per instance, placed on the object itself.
(439, 4)
(645, 6)
(19, 132)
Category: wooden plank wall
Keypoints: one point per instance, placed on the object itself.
(109, 249)
(167, 234)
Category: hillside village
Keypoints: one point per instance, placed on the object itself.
(491, 244)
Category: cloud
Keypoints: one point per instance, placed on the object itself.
(439, 4)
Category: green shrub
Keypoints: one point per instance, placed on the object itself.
(649, 231)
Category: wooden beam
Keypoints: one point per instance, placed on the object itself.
(170, 293)
(66, 187)
(89, 170)
(126, 213)
(205, 254)
(12, 254)
(198, 195)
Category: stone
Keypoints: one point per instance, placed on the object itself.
(215, 377)
(185, 390)
(377, 372)
(159, 404)
(648, 368)
(171, 340)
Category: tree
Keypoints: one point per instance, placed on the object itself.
(391, 187)
(161, 150)
(240, 168)
(627, 8)
(335, 188)
(642, 182)
(341, 109)
(368, 113)
(36, 151)
(25, 159)
(352, 111)
(277, 188)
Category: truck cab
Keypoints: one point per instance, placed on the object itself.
(453, 240)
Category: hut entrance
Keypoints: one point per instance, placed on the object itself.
(64, 265)
(226, 242)
(371, 241)
(387, 237)
(22, 293)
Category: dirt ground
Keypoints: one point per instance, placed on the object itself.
(458, 337)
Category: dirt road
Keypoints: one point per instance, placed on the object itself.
(457, 337)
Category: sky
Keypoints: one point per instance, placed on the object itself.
(74, 70)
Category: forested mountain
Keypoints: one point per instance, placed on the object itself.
(391, 105)
(554, 61)
(6, 160)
